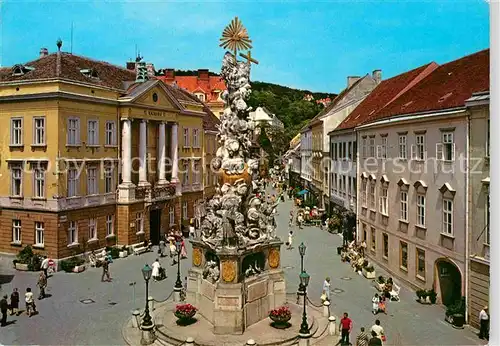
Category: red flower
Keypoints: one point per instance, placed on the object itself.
(282, 312)
(185, 310)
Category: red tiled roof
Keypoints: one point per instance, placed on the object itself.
(194, 83)
(385, 93)
(68, 66)
(446, 87)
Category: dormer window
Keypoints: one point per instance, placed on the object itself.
(89, 72)
(200, 96)
(19, 70)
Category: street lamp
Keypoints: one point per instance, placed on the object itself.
(146, 273)
(304, 281)
(302, 252)
(178, 282)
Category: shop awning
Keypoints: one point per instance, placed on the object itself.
(303, 192)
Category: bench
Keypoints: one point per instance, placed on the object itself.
(139, 249)
(395, 293)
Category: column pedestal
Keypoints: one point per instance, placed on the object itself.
(148, 335)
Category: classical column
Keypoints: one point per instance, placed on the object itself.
(175, 152)
(143, 172)
(126, 190)
(161, 155)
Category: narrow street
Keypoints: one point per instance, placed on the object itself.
(407, 322)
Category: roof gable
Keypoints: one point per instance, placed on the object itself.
(151, 93)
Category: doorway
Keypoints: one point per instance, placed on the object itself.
(450, 282)
(154, 226)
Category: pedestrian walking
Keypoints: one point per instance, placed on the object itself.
(161, 248)
(45, 266)
(42, 284)
(363, 338)
(105, 270)
(4, 307)
(173, 252)
(192, 230)
(379, 330)
(14, 302)
(374, 341)
(345, 329)
(290, 224)
(300, 220)
(30, 302)
(326, 289)
(290, 240)
(183, 249)
(375, 301)
(484, 324)
(156, 270)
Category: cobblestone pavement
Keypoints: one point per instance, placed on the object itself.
(407, 322)
(84, 311)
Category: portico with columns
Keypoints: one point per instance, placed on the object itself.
(149, 189)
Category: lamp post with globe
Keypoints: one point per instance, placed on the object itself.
(304, 327)
(178, 282)
(302, 252)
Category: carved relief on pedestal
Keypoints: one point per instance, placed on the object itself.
(228, 271)
(274, 258)
(197, 257)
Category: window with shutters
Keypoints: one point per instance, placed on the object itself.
(16, 132)
(92, 133)
(384, 201)
(39, 131)
(418, 150)
(445, 151)
(421, 210)
(420, 264)
(93, 229)
(402, 147)
(72, 233)
(110, 138)
(372, 196)
(403, 202)
(372, 146)
(448, 216)
(16, 231)
(73, 131)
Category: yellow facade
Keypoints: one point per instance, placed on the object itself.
(60, 126)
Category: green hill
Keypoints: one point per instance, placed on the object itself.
(288, 104)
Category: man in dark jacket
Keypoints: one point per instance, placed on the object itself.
(4, 306)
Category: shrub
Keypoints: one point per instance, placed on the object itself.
(381, 280)
(432, 296)
(369, 269)
(113, 251)
(420, 293)
(27, 256)
(70, 263)
(457, 308)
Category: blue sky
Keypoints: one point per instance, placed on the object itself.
(307, 45)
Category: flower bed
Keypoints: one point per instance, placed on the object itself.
(280, 317)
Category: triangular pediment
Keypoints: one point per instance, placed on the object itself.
(152, 94)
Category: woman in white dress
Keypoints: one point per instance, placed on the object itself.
(375, 301)
(156, 269)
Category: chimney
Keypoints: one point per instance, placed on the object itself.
(203, 74)
(44, 52)
(377, 75)
(131, 65)
(351, 80)
(170, 74)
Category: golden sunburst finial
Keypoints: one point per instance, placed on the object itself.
(235, 37)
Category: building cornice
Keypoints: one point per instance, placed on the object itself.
(60, 80)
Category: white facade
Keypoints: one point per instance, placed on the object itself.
(306, 154)
(343, 163)
(412, 196)
(263, 117)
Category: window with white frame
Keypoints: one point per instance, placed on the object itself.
(487, 218)
(197, 172)
(139, 222)
(185, 133)
(372, 195)
(73, 181)
(447, 216)
(92, 187)
(39, 131)
(109, 186)
(403, 202)
(39, 182)
(171, 216)
(73, 131)
(419, 148)
(16, 172)
(372, 146)
(383, 200)
(16, 131)
(364, 146)
(383, 148)
(421, 210)
(92, 132)
(196, 138)
(16, 231)
(72, 232)
(363, 192)
(110, 133)
(445, 151)
(185, 174)
(110, 225)
(92, 229)
(39, 233)
(184, 210)
(402, 141)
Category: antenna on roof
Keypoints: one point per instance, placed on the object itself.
(71, 44)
